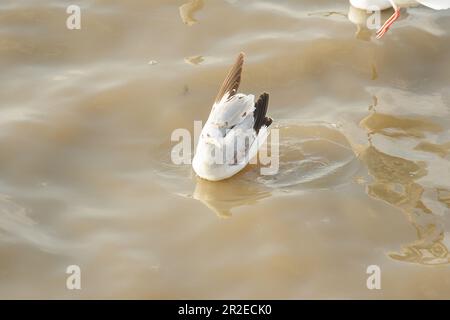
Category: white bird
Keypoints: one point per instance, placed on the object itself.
(234, 131)
(396, 4)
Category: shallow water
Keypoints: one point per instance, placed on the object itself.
(86, 178)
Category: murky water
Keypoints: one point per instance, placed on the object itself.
(86, 178)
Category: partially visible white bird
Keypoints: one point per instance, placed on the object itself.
(396, 4)
(234, 131)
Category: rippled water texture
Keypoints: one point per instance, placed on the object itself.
(86, 178)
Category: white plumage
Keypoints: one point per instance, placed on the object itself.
(234, 131)
(385, 4)
(396, 4)
(435, 4)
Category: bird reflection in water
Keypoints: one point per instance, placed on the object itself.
(222, 196)
(312, 156)
(395, 181)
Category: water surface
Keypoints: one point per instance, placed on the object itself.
(86, 178)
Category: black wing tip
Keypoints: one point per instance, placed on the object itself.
(263, 100)
(260, 112)
(267, 121)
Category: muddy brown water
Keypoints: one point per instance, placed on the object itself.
(85, 172)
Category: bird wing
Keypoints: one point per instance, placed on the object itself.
(235, 120)
(230, 107)
(228, 114)
(246, 137)
(231, 83)
(260, 112)
(435, 4)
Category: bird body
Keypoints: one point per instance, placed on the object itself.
(386, 4)
(436, 4)
(371, 4)
(234, 131)
(396, 4)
